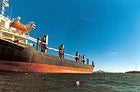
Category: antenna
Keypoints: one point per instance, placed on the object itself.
(11, 13)
(135, 66)
(4, 5)
(46, 43)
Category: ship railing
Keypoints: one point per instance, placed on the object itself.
(53, 49)
(69, 55)
(27, 37)
(24, 37)
(5, 30)
(32, 39)
(50, 48)
(56, 50)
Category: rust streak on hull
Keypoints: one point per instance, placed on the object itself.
(43, 68)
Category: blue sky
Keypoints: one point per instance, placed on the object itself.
(105, 31)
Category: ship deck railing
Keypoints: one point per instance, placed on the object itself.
(27, 37)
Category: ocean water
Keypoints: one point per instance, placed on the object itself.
(40, 82)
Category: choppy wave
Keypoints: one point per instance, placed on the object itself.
(38, 82)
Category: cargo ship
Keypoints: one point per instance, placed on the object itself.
(19, 52)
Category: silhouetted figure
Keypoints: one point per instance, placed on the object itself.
(77, 56)
(37, 43)
(43, 44)
(93, 64)
(61, 51)
(83, 59)
(87, 61)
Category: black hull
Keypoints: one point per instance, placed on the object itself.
(12, 51)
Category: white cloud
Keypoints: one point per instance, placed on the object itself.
(112, 53)
(87, 19)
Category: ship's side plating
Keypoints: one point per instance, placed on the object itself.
(30, 60)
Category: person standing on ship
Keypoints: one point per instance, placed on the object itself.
(37, 44)
(93, 64)
(43, 44)
(83, 59)
(77, 56)
(61, 51)
(87, 61)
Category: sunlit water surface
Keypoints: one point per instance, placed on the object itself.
(40, 82)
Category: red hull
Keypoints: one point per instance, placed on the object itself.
(43, 68)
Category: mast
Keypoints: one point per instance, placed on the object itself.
(4, 4)
(46, 43)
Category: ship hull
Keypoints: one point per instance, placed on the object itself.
(17, 57)
(42, 68)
